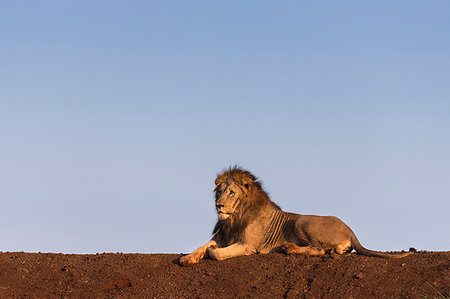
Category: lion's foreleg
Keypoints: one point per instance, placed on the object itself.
(197, 255)
(233, 250)
(291, 248)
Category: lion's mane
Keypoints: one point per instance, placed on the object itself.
(231, 230)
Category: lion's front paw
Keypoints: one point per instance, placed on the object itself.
(188, 260)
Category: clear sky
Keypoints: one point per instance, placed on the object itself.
(116, 116)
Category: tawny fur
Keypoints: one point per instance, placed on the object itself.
(249, 222)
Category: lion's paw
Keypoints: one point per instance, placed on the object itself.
(289, 248)
(188, 260)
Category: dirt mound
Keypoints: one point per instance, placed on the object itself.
(48, 275)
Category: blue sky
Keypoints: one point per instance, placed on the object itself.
(115, 117)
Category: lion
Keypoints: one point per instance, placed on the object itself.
(249, 222)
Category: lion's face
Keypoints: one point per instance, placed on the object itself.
(228, 197)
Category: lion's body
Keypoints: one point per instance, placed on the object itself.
(249, 222)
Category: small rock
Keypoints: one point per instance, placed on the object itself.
(334, 255)
(359, 275)
(292, 294)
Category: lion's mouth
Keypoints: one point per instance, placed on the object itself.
(223, 216)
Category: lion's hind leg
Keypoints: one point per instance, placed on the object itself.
(344, 247)
(291, 248)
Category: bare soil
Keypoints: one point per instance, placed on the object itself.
(118, 275)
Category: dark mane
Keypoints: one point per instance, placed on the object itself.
(232, 229)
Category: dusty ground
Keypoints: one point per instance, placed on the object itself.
(47, 275)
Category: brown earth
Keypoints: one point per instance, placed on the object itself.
(112, 275)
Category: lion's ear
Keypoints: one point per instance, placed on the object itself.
(246, 181)
(219, 180)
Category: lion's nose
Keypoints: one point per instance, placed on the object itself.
(219, 207)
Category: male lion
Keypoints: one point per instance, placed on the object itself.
(249, 222)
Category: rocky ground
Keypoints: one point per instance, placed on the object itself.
(117, 275)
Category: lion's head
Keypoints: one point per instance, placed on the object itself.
(231, 192)
(238, 196)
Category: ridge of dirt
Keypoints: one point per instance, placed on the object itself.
(118, 275)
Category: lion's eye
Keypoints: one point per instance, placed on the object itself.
(231, 193)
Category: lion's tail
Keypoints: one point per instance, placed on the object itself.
(364, 251)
